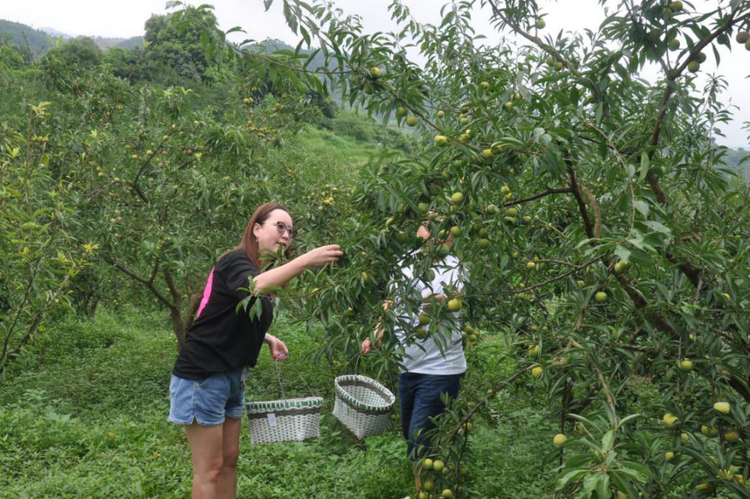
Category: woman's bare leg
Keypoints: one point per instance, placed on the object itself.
(227, 486)
(206, 446)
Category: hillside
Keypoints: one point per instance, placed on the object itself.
(20, 34)
(39, 39)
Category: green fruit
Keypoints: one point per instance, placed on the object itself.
(457, 198)
(669, 419)
(540, 23)
(675, 6)
(581, 283)
(446, 493)
(465, 108)
(491, 209)
(423, 207)
(731, 436)
(455, 230)
(401, 112)
(674, 44)
(684, 437)
(534, 351)
(686, 365)
(427, 464)
(550, 60)
(402, 237)
(454, 305)
(438, 465)
(747, 44)
(743, 37)
(531, 265)
(412, 121)
(669, 455)
(483, 243)
(512, 212)
(709, 432)
(601, 296)
(505, 189)
(487, 154)
(485, 84)
(428, 485)
(440, 114)
(537, 372)
(722, 407)
(559, 439)
(559, 65)
(441, 139)
(694, 66)
(701, 57)
(620, 267)
(376, 72)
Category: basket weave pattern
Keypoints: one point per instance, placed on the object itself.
(363, 405)
(292, 420)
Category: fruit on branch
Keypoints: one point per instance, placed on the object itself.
(541, 23)
(722, 407)
(401, 111)
(537, 372)
(454, 305)
(686, 365)
(731, 436)
(669, 419)
(412, 121)
(601, 296)
(559, 439)
(694, 66)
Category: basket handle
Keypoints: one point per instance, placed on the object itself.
(281, 386)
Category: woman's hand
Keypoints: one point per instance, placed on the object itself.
(323, 255)
(277, 348)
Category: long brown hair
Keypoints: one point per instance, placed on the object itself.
(248, 243)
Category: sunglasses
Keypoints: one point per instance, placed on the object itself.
(281, 226)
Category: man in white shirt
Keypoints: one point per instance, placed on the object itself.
(434, 361)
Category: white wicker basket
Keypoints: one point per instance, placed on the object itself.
(363, 405)
(292, 420)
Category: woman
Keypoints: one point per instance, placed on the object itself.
(207, 386)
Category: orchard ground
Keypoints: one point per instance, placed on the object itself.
(83, 413)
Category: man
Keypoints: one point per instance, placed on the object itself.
(434, 361)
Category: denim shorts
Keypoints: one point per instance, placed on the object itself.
(207, 401)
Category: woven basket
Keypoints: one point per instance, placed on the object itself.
(363, 405)
(292, 420)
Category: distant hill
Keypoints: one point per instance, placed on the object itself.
(39, 39)
(55, 33)
(732, 160)
(131, 43)
(20, 34)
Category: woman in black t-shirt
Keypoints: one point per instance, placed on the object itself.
(207, 386)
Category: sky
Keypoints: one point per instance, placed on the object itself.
(126, 18)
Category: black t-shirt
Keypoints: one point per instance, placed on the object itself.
(223, 338)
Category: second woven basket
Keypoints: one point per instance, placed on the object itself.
(363, 405)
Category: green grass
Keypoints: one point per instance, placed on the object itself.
(324, 144)
(83, 413)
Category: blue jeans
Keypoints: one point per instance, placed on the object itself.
(419, 397)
